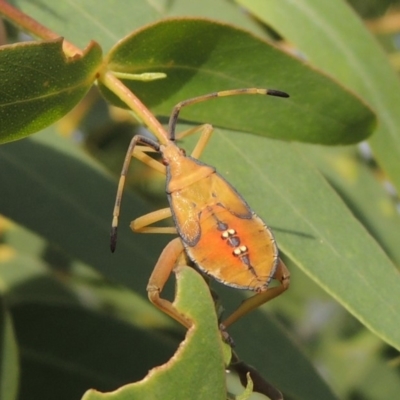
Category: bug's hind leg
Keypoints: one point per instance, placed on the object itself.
(282, 274)
(172, 255)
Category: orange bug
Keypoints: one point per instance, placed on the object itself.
(217, 229)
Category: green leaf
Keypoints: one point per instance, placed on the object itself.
(334, 39)
(27, 278)
(66, 350)
(9, 362)
(197, 369)
(108, 22)
(271, 349)
(370, 374)
(200, 56)
(248, 391)
(366, 196)
(39, 85)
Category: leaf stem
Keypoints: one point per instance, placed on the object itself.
(28, 24)
(144, 77)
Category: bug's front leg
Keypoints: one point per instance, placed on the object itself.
(206, 131)
(282, 274)
(172, 255)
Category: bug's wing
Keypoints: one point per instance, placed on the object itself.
(185, 213)
(190, 202)
(226, 210)
(226, 195)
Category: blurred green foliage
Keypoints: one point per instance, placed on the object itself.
(74, 317)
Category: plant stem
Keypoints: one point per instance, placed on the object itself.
(146, 117)
(28, 24)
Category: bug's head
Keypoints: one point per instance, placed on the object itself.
(171, 153)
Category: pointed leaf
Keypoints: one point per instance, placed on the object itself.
(200, 56)
(9, 360)
(197, 369)
(39, 85)
(334, 39)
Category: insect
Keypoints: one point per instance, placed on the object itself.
(217, 229)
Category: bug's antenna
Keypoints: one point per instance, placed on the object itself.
(113, 238)
(224, 93)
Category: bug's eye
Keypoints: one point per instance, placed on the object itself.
(164, 161)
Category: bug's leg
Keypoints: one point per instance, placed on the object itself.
(140, 153)
(282, 274)
(206, 132)
(142, 223)
(168, 259)
(121, 184)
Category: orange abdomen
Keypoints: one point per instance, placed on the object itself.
(238, 252)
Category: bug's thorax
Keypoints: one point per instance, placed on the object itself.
(182, 170)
